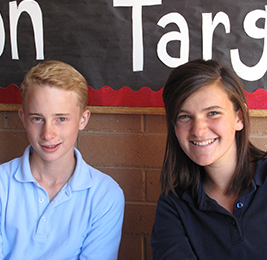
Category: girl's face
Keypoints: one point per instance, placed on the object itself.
(206, 127)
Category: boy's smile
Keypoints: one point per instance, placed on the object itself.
(52, 118)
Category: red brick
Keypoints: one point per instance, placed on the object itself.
(139, 218)
(148, 248)
(156, 123)
(13, 144)
(114, 123)
(14, 121)
(131, 248)
(106, 149)
(260, 142)
(152, 184)
(131, 181)
(2, 119)
(258, 125)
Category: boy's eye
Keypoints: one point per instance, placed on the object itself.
(212, 113)
(62, 119)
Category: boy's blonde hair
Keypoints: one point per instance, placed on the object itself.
(56, 74)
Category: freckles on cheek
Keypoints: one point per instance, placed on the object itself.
(181, 131)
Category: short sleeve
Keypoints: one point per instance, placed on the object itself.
(102, 243)
(168, 237)
(1, 238)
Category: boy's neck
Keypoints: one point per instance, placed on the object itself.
(52, 176)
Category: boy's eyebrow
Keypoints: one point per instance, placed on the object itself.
(57, 114)
(34, 114)
(62, 114)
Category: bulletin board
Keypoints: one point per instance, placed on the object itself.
(126, 48)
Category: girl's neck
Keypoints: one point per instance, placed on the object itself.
(216, 184)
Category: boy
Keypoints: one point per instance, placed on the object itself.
(52, 204)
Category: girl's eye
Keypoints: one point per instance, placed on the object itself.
(183, 116)
(37, 119)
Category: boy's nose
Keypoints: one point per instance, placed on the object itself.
(48, 131)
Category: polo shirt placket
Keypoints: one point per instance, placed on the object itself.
(46, 209)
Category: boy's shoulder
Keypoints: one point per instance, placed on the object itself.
(10, 166)
(95, 177)
(7, 172)
(100, 176)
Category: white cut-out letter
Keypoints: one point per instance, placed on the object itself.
(255, 72)
(35, 13)
(137, 29)
(2, 35)
(208, 27)
(182, 36)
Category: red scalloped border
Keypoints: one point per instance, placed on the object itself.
(126, 97)
(10, 95)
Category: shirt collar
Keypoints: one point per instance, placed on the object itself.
(23, 173)
(258, 180)
(80, 180)
(260, 172)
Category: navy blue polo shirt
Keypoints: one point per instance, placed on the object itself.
(201, 229)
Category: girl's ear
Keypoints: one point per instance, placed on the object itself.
(84, 119)
(22, 116)
(239, 121)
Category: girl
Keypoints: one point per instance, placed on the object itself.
(214, 193)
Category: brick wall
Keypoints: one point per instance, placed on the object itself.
(130, 148)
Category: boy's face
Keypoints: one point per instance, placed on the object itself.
(52, 118)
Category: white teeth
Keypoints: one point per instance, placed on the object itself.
(203, 143)
(51, 146)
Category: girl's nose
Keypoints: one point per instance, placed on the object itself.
(199, 128)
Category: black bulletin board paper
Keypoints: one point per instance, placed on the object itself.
(133, 43)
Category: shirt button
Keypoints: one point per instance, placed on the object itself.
(239, 205)
(41, 200)
(233, 222)
(43, 219)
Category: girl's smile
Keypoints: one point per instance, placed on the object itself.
(206, 127)
(204, 143)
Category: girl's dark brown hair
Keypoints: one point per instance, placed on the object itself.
(179, 172)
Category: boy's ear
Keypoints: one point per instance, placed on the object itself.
(84, 119)
(22, 116)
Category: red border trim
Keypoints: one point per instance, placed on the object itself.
(126, 97)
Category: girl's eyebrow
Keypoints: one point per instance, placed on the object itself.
(183, 111)
(204, 109)
(212, 107)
